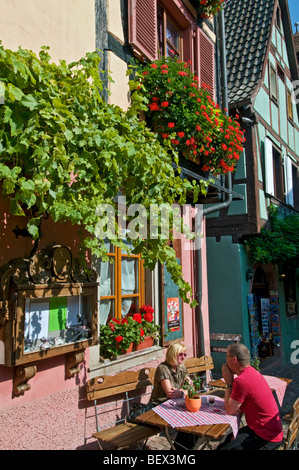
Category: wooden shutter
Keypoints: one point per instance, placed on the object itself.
(143, 33)
(206, 61)
(269, 174)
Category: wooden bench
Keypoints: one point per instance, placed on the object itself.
(291, 441)
(294, 411)
(106, 391)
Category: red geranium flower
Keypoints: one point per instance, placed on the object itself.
(119, 339)
(137, 317)
(148, 317)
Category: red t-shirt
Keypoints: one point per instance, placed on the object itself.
(258, 404)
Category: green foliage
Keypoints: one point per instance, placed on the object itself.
(64, 151)
(279, 244)
(193, 386)
(255, 363)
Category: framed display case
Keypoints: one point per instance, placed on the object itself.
(49, 307)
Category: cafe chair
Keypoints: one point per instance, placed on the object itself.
(291, 441)
(294, 411)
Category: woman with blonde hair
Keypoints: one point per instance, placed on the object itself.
(170, 375)
(169, 380)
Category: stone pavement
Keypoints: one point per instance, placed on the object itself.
(289, 371)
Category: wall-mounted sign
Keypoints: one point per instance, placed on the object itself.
(172, 310)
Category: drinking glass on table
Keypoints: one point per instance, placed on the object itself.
(211, 401)
(207, 386)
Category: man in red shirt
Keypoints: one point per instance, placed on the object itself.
(249, 393)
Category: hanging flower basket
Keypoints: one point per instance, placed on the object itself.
(185, 116)
(208, 8)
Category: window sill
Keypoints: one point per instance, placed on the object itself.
(126, 362)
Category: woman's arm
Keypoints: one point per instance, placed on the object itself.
(170, 391)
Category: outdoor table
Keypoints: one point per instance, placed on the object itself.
(210, 422)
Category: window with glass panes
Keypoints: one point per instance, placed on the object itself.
(122, 284)
(169, 35)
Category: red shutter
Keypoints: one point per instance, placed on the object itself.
(143, 33)
(206, 61)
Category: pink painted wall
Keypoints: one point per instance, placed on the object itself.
(54, 414)
(189, 273)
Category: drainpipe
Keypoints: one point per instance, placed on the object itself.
(221, 205)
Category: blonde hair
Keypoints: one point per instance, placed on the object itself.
(172, 352)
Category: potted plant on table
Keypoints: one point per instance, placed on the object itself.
(193, 398)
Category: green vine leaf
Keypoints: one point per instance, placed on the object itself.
(64, 152)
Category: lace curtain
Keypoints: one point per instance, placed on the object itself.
(128, 286)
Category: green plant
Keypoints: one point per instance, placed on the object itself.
(64, 151)
(193, 386)
(185, 116)
(277, 244)
(210, 7)
(118, 335)
(255, 363)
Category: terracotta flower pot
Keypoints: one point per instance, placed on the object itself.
(127, 351)
(147, 343)
(193, 404)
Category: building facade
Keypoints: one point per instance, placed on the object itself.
(261, 67)
(43, 392)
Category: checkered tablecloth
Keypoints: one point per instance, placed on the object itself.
(278, 385)
(175, 413)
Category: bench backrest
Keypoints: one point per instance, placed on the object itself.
(110, 385)
(291, 441)
(117, 388)
(199, 364)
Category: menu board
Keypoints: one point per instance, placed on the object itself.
(55, 321)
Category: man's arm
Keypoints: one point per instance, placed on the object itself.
(232, 406)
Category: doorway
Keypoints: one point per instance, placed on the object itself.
(264, 315)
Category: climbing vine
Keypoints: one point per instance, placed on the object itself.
(278, 244)
(64, 151)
